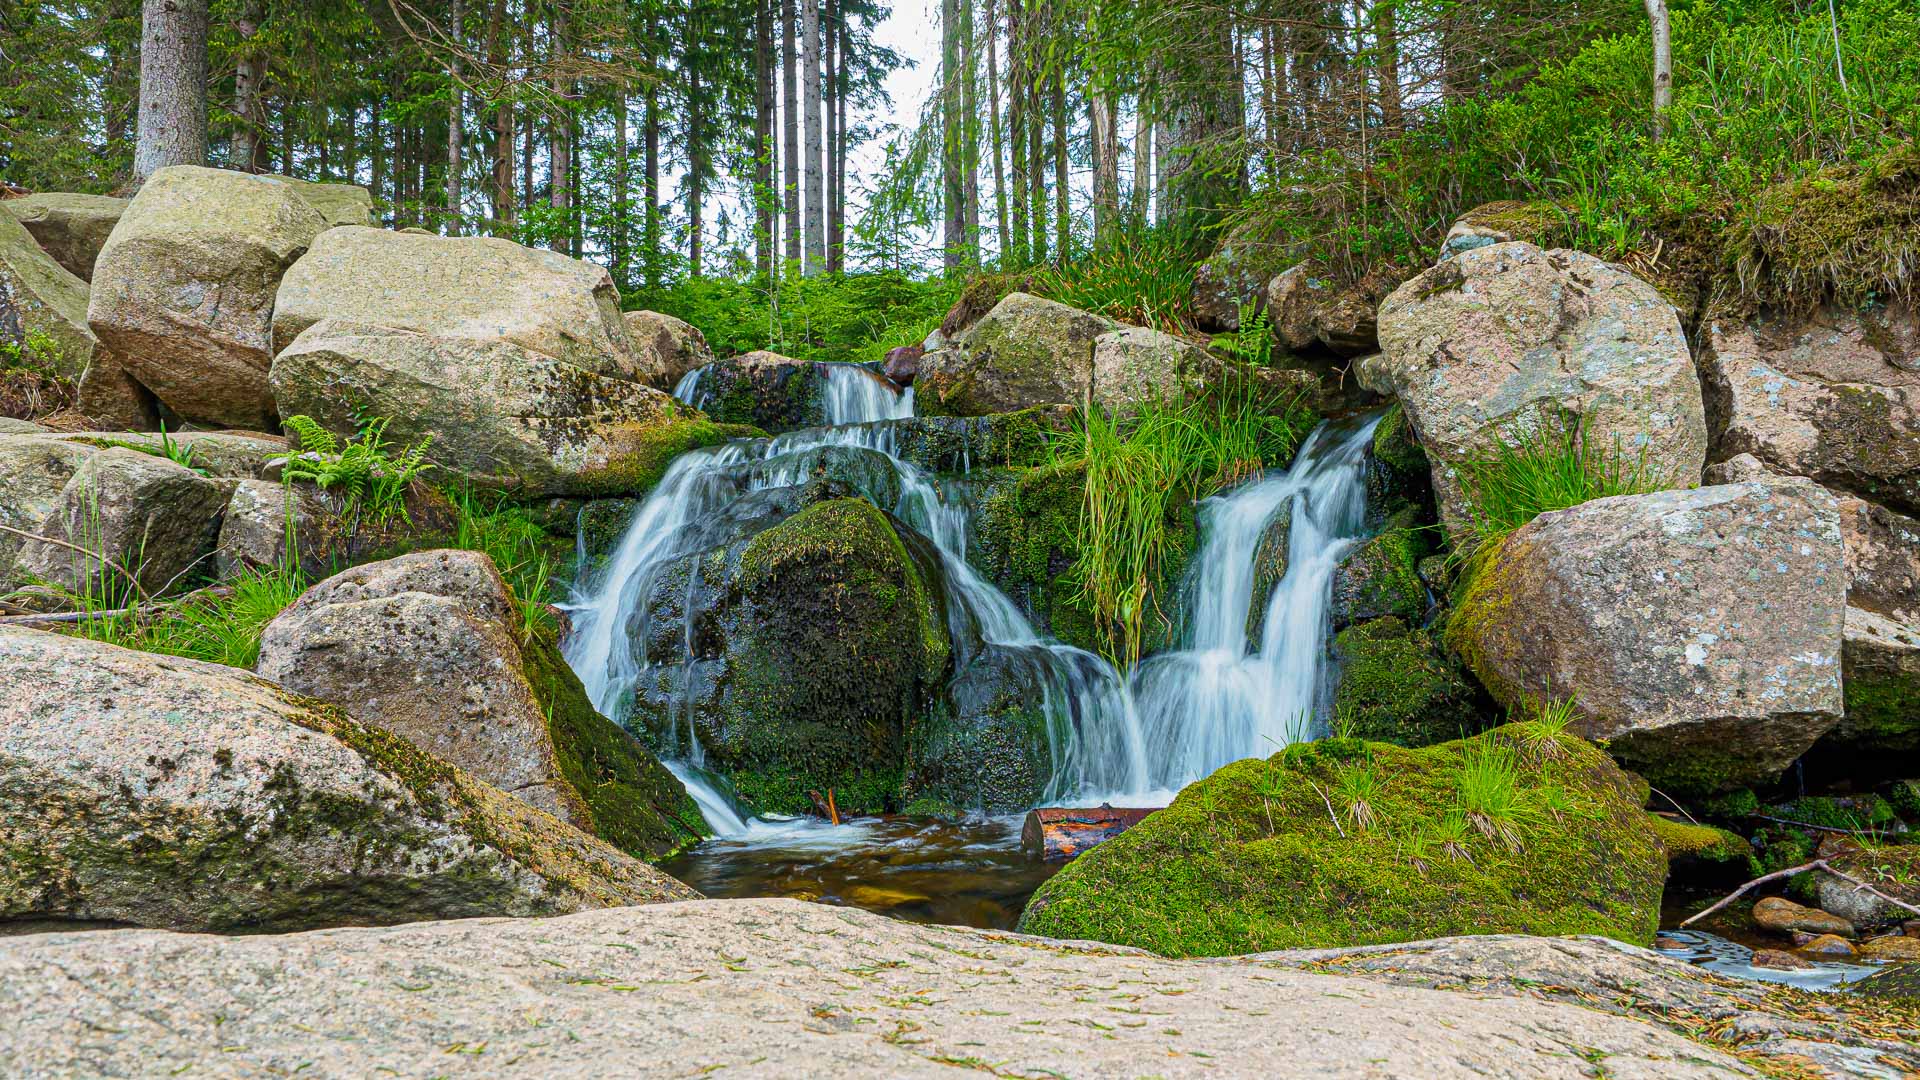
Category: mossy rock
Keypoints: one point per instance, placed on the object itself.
(765, 390)
(961, 444)
(649, 450)
(987, 746)
(636, 804)
(1381, 577)
(1696, 851)
(1398, 473)
(1251, 858)
(1849, 233)
(601, 523)
(1898, 981)
(1398, 686)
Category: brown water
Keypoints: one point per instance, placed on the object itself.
(967, 874)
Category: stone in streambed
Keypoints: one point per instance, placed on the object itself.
(1783, 916)
(156, 791)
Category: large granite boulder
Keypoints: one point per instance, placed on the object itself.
(499, 413)
(1134, 365)
(665, 348)
(1343, 842)
(1880, 661)
(468, 288)
(735, 986)
(267, 523)
(1698, 632)
(148, 519)
(430, 647)
(1833, 394)
(72, 228)
(1025, 351)
(43, 307)
(797, 634)
(163, 792)
(34, 473)
(1310, 310)
(337, 204)
(1501, 340)
(183, 293)
(1235, 276)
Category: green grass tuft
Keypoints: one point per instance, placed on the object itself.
(1551, 466)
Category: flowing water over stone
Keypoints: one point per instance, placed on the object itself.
(1227, 694)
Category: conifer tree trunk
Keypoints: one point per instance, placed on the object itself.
(173, 86)
(1016, 132)
(1036, 140)
(763, 110)
(790, 128)
(1142, 158)
(1386, 31)
(1106, 167)
(816, 224)
(696, 147)
(650, 167)
(249, 72)
(953, 196)
(503, 125)
(993, 134)
(969, 133)
(829, 41)
(456, 117)
(621, 242)
(1062, 219)
(558, 156)
(837, 221)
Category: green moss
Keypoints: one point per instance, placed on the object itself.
(1382, 576)
(1904, 797)
(1735, 804)
(1883, 706)
(649, 450)
(635, 803)
(1397, 686)
(1684, 840)
(1401, 474)
(1253, 858)
(1849, 233)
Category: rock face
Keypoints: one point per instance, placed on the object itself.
(1398, 685)
(33, 475)
(665, 348)
(1697, 631)
(1833, 395)
(163, 792)
(772, 392)
(498, 413)
(43, 307)
(1309, 310)
(1032, 351)
(255, 528)
(150, 518)
(472, 289)
(337, 204)
(183, 293)
(1880, 661)
(427, 647)
(72, 228)
(819, 634)
(1500, 340)
(1250, 858)
(735, 984)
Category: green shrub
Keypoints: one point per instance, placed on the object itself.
(374, 481)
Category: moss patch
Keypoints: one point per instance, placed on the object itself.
(1253, 858)
(636, 804)
(648, 450)
(1684, 840)
(1382, 576)
(1849, 233)
(1398, 686)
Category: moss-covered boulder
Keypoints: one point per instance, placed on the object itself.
(1398, 472)
(1381, 577)
(1880, 677)
(797, 637)
(1397, 685)
(432, 647)
(1540, 223)
(1343, 842)
(961, 444)
(985, 746)
(1026, 351)
(155, 791)
(772, 392)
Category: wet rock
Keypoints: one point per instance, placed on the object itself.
(183, 292)
(986, 746)
(208, 1004)
(1783, 916)
(1829, 945)
(1250, 858)
(148, 519)
(798, 636)
(430, 647)
(43, 306)
(1889, 870)
(962, 444)
(1398, 472)
(72, 228)
(1880, 670)
(1698, 632)
(1503, 340)
(1398, 685)
(774, 393)
(1833, 395)
(1900, 981)
(1379, 578)
(1269, 568)
(1779, 960)
(498, 413)
(1891, 949)
(156, 791)
(902, 364)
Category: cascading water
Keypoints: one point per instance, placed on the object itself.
(1223, 697)
(1095, 737)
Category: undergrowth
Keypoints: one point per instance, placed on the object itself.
(373, 479)
(1554, 465)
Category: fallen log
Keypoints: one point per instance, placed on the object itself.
(1059, 833)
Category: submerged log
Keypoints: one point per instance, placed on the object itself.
(1059, 833)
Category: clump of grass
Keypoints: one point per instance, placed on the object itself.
(1140, 468)
(1489, 793)
(219, 626)
(1359, 786)
(1547, 723)
(1549, 466)
(520, 549)
(1144, 277)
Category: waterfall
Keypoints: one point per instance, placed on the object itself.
(1222, 697)
(1219, 698)
(1093, 730)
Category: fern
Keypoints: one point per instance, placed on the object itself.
(372, 482)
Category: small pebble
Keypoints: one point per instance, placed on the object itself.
(1779, 960)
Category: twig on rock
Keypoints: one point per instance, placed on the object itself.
(1817, 864)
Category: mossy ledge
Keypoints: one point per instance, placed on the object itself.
(1274, 854)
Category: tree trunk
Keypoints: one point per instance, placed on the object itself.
(1017, 135)
(816, 226)
(1207, 97)
(558, 156)
(456, 117)
(1106, 167)
(993, 133)
(763, 110)
(790, 128)
(1386, 32)
(829, 42)
(620, 243)
(650, 165)
(1062, 217)
(249, 71)
(1142, 158)
(969, 133)
(696, 149)
(953, 205)
(173, 86)
(503, 126)
(837, 207)
(1036, 142)
(1662, 65)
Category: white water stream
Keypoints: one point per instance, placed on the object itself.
(1185, 714)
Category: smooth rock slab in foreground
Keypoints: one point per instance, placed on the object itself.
(782, 988)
